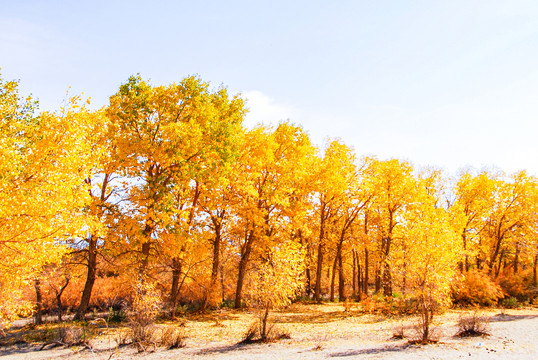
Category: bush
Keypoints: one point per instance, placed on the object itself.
(172, 337)
(116, 315)
(399, 331)
(272, 333)
(510, 303)
(71, 335)
(476, 288)
(425, 333)
(63, 335)
(515, 285)
(145, 308)
(472, 325)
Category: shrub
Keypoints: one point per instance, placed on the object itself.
(472, 325)
(122, 337)
(510, 303)
(71, 335)
(172, 337)
(476, 288)
(425, 332)
(116, 315)
(515, 285)
(254, 333)
(145, 308)
(399, 331)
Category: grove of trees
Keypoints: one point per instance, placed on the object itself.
(166, 186)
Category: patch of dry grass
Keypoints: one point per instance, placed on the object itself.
(472, 325)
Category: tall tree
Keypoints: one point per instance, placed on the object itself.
(166, 135)
(44, 159)
(395, 189)
(270, 178)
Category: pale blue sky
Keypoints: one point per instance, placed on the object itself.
(445, 83)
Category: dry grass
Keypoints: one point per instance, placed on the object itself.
(472, 325)
(317, 330)
(172, 337)
(273, 333)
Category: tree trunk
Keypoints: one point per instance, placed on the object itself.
(308, 287)
(210, 293)
(243, 263)
(145, 260)
(338, 261)
(38, 317)
(59, 298)
(341, 279)
(365, 278)
(174, 290)
(534, 269)
(333, 277)
(387, 280)
(317, 289)
(263, 334)
(240, 279)
(497, 250)
(498, 270)
(377, 279)
(427, 317)
(464, 265)
(222, 287)
(90, 280)
(355, 279)
(360, 279)
(516, 259)
(59, 305)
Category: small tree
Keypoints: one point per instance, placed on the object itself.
(144, 310)
(432, 251)
(277, 280)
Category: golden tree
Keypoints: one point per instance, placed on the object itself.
(277, 279)
(44, 160)
(395, 189)
(165, 137)
(269, 186)
(432, 251)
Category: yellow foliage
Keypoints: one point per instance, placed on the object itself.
(277, 278)
(43, 163)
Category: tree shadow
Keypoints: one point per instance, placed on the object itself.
(223, 349)
(373, 351)
(22, 348)
(509, 317)
(312, 315)
(212, 317)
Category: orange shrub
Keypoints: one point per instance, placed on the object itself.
(516, 285)
(476, 288)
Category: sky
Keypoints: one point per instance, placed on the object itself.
(451, 84)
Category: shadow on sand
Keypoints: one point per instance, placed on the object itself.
(373, 351)
(224, 349)
(509, 317)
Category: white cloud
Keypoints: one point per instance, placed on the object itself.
(266, 110)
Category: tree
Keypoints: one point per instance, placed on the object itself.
(167, 135)
(395, 187)
(102, 182)
(334, 174)
(268, 187)
(473, 204)
(512, 216)
(277, 280)
(431, 253)
(44, 159)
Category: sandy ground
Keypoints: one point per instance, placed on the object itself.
(320, 332)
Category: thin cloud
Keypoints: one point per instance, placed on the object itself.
(264, 109)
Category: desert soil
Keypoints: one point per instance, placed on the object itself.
(317, 332)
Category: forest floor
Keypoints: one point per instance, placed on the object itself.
(317, 332)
